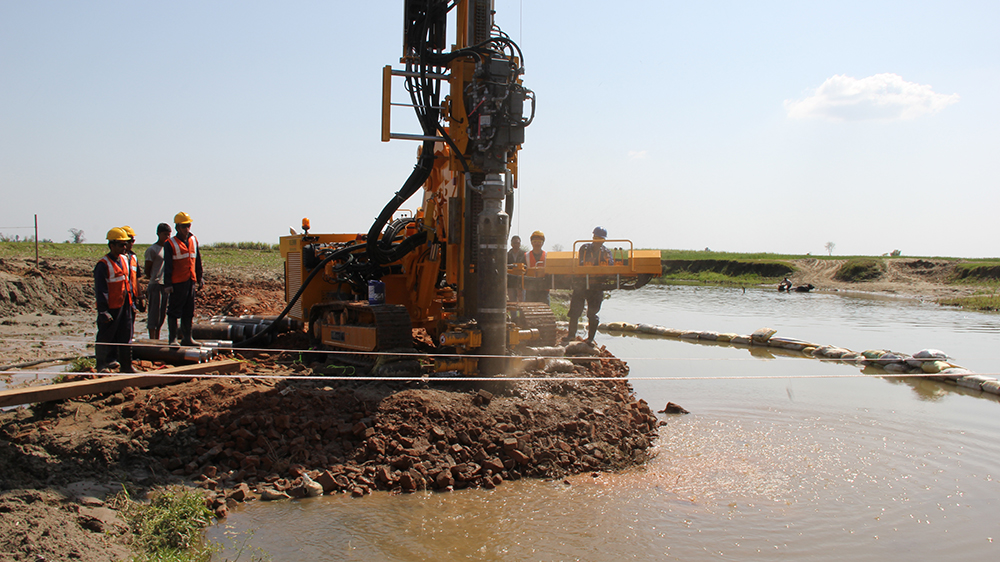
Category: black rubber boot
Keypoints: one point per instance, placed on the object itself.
(591, 332)
(125, 359)
(573, 327)
(186, 327)
(171, 330)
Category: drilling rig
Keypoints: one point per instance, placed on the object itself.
(442, 268)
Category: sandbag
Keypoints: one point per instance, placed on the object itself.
(710, 336)
(931, 367)
(689, 335)
(559, 366)
(727, 337)
(761, 335)
(645, 328)
(553, 351)
(741, 340)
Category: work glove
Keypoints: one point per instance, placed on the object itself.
(104, 318)
(168, 289)
(141, 305)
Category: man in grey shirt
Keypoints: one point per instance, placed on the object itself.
(154, 272)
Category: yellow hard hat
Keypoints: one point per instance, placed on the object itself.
(117, 234)
(538, 234)
(182, 218)
(128, 230)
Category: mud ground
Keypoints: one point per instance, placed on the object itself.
(245, 439)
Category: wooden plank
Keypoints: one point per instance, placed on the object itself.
(62, 391)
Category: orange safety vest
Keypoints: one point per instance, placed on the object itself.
(185, 257)
(133, 263)
(119, 282)
(532, 262)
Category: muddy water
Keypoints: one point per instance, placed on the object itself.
(817, 464)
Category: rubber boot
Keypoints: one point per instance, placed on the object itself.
(125, 359)
(573, 326)
(100, 357)
(171, 330)
(591, 332)
(186, 327)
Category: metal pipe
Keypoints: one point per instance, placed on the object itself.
(491, 313)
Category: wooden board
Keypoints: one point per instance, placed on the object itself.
(62, 391)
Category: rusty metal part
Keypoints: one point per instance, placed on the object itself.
(537, 316)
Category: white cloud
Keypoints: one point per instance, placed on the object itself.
(636, 154)
(880, 97)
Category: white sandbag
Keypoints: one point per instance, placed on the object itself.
(710, 336)
(992, 386)
(553, 351)
(645, 328)
(626, 327)
(741, 340)
(851, 356)
(617, 326)
(930, 354)
(689, 335)
(559, 366)
(727, 337)
(786, 343)
(672, 332)
(954, 371)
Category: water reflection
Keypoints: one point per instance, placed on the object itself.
(829, 468)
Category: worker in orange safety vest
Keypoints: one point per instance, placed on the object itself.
(115, 305)
(182, 272)
(537, 288)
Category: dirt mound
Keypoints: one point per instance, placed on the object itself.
(237, 435)
(50, 526)
(921, 278)
(45, 289)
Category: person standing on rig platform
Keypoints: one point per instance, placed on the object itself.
(181, 271)
(154, 273)
(589, 289)
(538, 287)
(115, 313)
(515, 256)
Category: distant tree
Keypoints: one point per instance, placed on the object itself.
(896, 253)
(829, 247)
(557, 247)
(77, 236)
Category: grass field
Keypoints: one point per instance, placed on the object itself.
(226, 254)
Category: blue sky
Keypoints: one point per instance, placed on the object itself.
(770, 126)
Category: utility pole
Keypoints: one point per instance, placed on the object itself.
(36, 241)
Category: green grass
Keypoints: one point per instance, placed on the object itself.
(714, 278)
(169, 527)
(227, 254)
(81, 364)
(256, 254)
(861, 269)
(986, 300)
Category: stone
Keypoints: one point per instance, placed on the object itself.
(240, 493)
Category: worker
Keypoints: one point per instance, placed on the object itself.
(537, 287)
(154, 275)
(182, 272)
(134, 270)
(115, 313)
(589, 288)
(514, 282)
